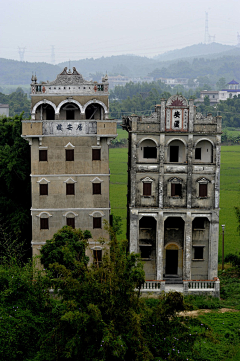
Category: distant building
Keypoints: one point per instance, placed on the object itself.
(4, 110)
(233, 90)
(215, 96)
(212, 94)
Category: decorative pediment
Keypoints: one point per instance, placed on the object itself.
(43, 180)
(177, 101)
(70, 180)
(70, 213)
(97, 214)
(43, 213)
(66, 77)
(147, 179)
(69, 145)
(175, 180)
(96, 180)
(203, 180)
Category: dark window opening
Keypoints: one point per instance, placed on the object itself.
(50, 113)
(42, 155)
(69, 155)
(198, 223)
(176, 190)
(96, 188)
(198, 252)
(70, 189)
(198, 154)
(44, 223)
(93, 111)
(71, 222)
(149, 152)
(96, 154)
(97, 222)
(69, 114)
(43, 189)
(202, 190)
(147, 189)
(174, 151)
(97, 256)
(145, 251)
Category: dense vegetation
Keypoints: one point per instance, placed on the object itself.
(96, 314)
(15, 189)
(18, 102)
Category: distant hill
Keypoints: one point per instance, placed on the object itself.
(20, 72)
(129, 65)
(194, 51)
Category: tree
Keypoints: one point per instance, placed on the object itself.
(206, 100)
(67, 247)
(221, 83)
(15, 185)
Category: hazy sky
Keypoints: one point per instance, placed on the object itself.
(95, 28)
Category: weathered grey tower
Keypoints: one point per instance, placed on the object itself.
(173, 191)
(69, 133)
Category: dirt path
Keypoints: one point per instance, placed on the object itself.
(196, 313)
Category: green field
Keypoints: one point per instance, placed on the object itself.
(229, 191)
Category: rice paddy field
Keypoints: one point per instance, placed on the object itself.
(229, 191)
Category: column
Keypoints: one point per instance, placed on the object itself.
(134, 231)
(213, 245)
(160, 246)
(188, 247)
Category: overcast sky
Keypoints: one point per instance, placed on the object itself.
(93, 28)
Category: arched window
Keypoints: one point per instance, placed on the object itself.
(204, 152)
(176, 152)
(94, 111)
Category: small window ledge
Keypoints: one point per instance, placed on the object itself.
(200, 259)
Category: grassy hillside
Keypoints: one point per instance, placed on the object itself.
(229, 191)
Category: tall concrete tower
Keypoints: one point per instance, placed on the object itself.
(69, 134)
(173, 191)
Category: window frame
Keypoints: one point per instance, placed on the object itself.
(96, 154)
(69, 155)
(96, 188)
(41, 157)
(96, 259)
(41, 189)
(198, 156)
(147, 189)
(68, 187)
(203, 190)
(42, 225)
(173, 190)
(70, 220)
(96, 224)
(171, 155)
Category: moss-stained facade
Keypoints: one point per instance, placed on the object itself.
(173, 191)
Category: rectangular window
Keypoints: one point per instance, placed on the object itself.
(70, 114)
(97, 222)
(147, 189)
(42, 155)
(145, 252)
(44, 223)
(71, 222)
(97, 256)
(70, 189)
(96, 154)
(198, 252)
(174, 151)
(176, 190)
(198, 223)
(149, 152)
(198, 154)
(96, 188)
(202, 190)
(69, 155)
(43, 189)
